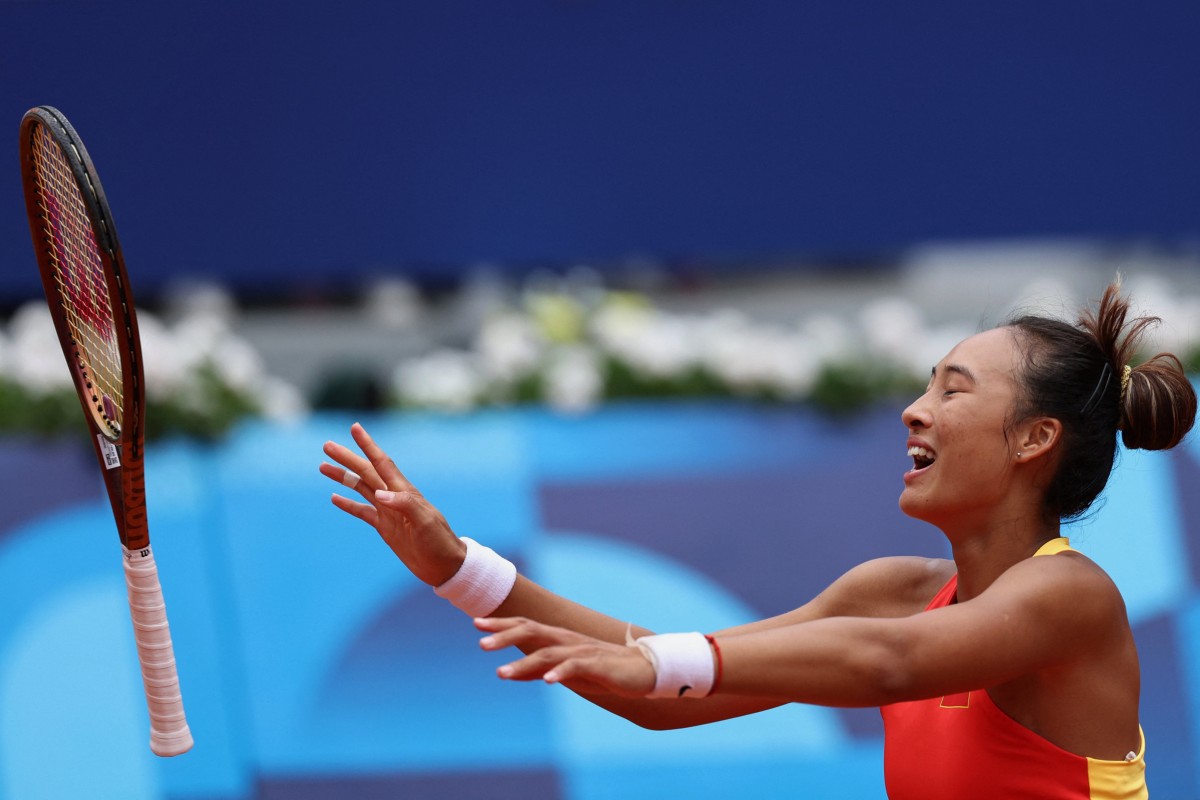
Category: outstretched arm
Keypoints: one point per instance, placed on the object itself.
(421, 538)
(1042, 613)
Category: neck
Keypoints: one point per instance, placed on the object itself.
(983, 554)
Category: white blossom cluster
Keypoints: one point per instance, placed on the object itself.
(568, 352)
(198, 368)
(569, 349)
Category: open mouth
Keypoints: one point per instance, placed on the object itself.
(921, 457)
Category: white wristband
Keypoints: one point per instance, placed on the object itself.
(482, 583)
(683, 664)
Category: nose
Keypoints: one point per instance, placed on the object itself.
(917, 414)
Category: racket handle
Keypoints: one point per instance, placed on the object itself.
(169, 733)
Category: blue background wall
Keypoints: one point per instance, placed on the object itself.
(314, 667)
(278, 144)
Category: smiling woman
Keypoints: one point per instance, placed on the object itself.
(1015, 653)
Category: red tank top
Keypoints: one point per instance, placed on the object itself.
(964, 746)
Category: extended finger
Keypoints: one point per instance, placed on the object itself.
(352, 461)
(386, 468)
(350, 479)
(364, 511)
(523, 633)
(346, 477)
(496, 624)
(535, 665)
(593, 673)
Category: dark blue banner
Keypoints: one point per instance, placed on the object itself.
(284, 147)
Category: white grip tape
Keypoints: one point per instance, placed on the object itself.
(482, 583)
(683, 664)
(169, 733)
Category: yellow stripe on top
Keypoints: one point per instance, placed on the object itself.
(1120, 780)
(1054, 546)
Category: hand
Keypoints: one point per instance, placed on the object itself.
(558, 655)
(416, 531)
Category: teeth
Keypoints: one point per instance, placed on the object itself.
(920, 452)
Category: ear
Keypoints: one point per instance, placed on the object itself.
(1038, 437)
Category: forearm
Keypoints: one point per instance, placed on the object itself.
(839, 661)
(533, 601)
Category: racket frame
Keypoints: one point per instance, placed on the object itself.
(119, 449)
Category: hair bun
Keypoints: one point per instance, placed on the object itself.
(1158, 404)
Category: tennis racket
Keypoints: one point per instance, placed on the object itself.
(83, 273)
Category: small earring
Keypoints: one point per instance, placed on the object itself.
(1018, 454)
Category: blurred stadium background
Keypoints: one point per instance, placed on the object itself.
(634, 291)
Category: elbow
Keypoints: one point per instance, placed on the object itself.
(647, 720)
(654, 724)
(650, 715)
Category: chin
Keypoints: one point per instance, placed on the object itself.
(912, 507)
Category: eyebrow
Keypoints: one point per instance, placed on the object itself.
(958, 369)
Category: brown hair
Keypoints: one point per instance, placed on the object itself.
(1075, 374)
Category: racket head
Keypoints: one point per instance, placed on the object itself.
(83, 274)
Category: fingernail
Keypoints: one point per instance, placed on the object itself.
(384, 496)
(487, 641)
(550, 677)
(504, 671)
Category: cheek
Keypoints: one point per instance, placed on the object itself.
(984, 456)
(980, 449)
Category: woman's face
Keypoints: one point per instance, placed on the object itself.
(962, 460)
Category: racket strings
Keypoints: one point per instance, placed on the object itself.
(78, 272)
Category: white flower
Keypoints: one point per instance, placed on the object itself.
(445, 379)
(509, 347)
(788, 363)
(165, 371)
(831, 337)
(237, 364)
(892, 328)
(725, 338)
(668, 347)
(200, 335)
(36, 358)
(618, 325)
(573, 379)
(279, 400)
(653, 342)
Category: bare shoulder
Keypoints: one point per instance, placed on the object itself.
(1068, 585)
(887, 587)
(884, 587)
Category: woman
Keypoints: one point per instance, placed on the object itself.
(1009, 671)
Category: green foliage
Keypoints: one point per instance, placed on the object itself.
(623, 382)
(844, 388)
(206, 408)
(43, 414)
